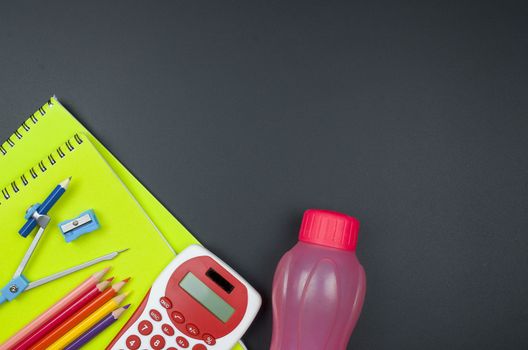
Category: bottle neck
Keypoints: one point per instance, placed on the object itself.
(316, 246)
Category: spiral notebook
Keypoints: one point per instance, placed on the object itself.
(48, 147)
(124, 224)
(52, 124)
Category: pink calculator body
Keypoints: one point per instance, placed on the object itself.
(197, 303)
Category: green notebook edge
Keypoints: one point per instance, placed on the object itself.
(175, 233)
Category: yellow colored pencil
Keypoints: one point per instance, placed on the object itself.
(88, 322)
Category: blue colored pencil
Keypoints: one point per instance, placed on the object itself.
(43, 209)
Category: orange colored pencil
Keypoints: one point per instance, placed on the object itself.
(63, 316)
(54, 310)
(88, 322)
(79, 316)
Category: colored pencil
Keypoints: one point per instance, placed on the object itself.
(54, 310)
(88, 322)
(79, 316)
(98, 328)
(63, 316)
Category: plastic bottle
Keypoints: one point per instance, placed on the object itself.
(319, 285)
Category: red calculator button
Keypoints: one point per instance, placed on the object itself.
(192, 329)
(155, 315)
(145, 327)
(177, 317)
(181, 341)
(209, 339)
(165, 302)
(199, 347)
(157, 342)
(172, 348)
(167, 329)
(133, 342)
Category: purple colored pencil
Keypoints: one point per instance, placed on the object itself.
(96, 329)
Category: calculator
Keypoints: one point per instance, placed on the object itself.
(198, 303)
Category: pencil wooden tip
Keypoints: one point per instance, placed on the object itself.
(119, 285)
(119, 299)
(64, 184)
(110, 279)
(117, 313)
(102, 285)
(100, 274)
(126, 280)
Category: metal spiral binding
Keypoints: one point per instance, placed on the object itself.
(24, 128)
(60, 152)
(40, 168)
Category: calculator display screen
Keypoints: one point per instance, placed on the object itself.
(205, 296)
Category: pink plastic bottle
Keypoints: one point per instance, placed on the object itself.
(319, 285)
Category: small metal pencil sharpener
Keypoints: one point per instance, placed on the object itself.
(85, 223)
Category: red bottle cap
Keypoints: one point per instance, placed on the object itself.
(330, 229)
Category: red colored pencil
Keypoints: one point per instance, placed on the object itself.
(78, 317)
(63, 315)
(54, 310)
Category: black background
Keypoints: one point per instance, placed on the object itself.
(411, 116)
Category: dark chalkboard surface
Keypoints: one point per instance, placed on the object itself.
(412, 116)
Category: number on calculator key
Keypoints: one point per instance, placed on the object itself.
(133, 342)
(157, 342)
(145, 327)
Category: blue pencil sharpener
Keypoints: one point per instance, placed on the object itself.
(85, 223)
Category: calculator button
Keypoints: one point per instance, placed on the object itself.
(192, 329)
(181, 341)
(165, 302)
(167, 329)
(155, 315)
(133, 342)
(157, 342)
(199, 347)
(177, 317)
(209, 339)
(145, 327)
(171, 348)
